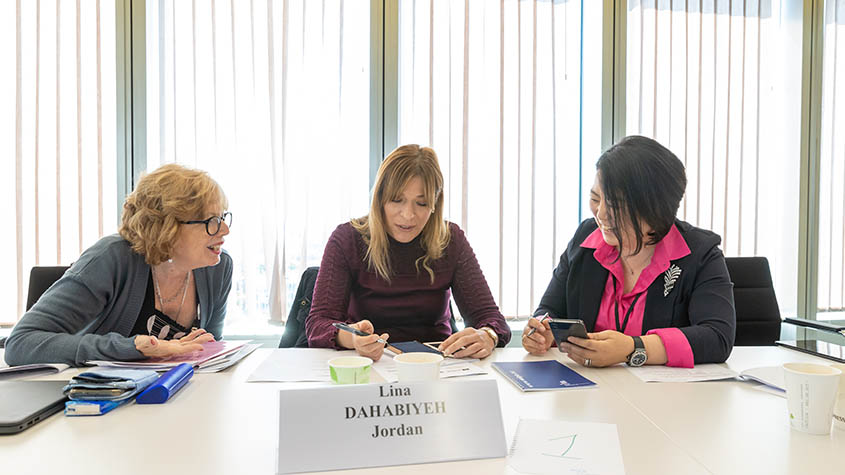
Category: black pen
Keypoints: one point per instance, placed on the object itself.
(355, 331)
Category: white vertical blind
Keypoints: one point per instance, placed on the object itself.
(57, 132)
(831, 296)
(504, 93)
(718, 82)
(272, 98)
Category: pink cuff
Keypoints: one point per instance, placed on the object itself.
(678, 351)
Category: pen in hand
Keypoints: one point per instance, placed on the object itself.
(534, 329)
(355, 331)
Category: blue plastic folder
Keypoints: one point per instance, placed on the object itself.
(166, 385)
(541, 375)
(91, 408)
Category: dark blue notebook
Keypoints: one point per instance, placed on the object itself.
(541, 375)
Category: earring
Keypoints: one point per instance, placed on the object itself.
(170, 261)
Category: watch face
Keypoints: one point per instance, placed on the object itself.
(638, 358)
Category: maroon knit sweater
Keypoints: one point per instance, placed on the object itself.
(410, 307)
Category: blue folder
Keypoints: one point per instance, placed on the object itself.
(91, 408)
(166, 385)
(541, 375)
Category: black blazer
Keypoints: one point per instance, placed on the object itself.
(701, 303)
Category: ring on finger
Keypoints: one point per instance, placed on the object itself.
(587, 362)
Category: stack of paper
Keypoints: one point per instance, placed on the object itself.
(215, 354)
(449, 368)
(292, 365)
(221, 362)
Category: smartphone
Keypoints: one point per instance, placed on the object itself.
(98, 392)
(562, 328)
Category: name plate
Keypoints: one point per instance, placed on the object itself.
(372, 425)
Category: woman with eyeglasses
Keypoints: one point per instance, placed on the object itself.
(158, 288)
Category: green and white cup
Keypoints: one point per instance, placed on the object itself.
(350, 369)
(810, 395)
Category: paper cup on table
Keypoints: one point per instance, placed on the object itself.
(839, 406)
(418, 366)
(350, 369)
(810, 395)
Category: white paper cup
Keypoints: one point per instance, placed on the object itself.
(350, 369)
(810, 395)
(839, 406)
(418, 366)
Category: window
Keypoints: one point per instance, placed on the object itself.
(57, 136)
(719, 84)
(272, 98)
(831, 281)
(508, 95)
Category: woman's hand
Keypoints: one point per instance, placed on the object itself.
(468, 343)
(151, 346)
(542, 339)
(368, 346)
(604, 348)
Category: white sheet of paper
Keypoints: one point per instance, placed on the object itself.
(450, 368)
(292, 365)
(543, 446)
(665, 374)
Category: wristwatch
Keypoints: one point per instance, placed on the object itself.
(492, 334)
(637, 357)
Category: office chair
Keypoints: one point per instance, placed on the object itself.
(40, 279)
(294, 335)
(757, 314)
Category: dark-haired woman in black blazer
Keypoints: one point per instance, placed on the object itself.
(650, 288)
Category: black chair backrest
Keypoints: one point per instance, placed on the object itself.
(40, 279)
(757, 314)
(294, 334)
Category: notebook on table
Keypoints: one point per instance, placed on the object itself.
(541, 375)
(24, 403)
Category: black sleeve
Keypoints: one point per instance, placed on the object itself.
(711, 311)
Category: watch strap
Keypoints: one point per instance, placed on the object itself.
(639, 347)
(492, 334)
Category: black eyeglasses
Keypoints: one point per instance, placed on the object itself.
(212, 224)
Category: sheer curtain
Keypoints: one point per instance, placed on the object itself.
(57, 131)
(508, 95)
(272, 98)
(718, 82)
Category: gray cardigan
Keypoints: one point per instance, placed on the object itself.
(89, 313)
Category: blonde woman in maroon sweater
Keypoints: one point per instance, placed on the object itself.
(391, 273)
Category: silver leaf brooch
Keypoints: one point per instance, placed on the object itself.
(669, 278)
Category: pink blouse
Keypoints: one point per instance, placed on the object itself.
(671, 247)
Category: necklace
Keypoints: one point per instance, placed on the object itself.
(184, 291)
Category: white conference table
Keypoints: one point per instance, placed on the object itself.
(220, 424)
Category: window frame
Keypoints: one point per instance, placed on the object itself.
(384, 108)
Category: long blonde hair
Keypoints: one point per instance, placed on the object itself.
(394, 174)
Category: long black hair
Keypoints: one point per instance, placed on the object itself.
(642, 181)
